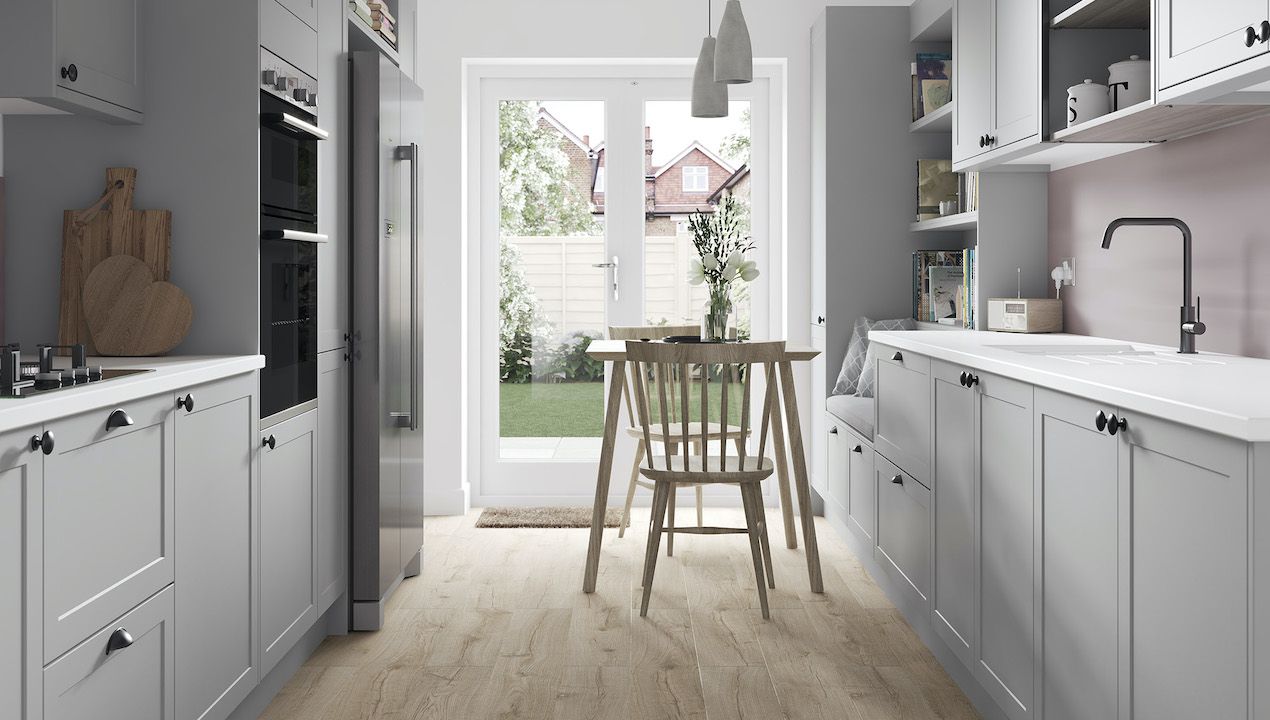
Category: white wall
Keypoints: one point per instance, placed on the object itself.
(454, 30)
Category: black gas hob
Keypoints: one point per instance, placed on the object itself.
(19, 378)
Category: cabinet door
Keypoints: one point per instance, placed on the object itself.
(288, 509)
(837, 479)
(972, 76)
(333, 477)
(21, 469)
(1016, 83)
(306, 10)
(903, 528)
(861, 503)
(1196, 37)
(1185, 499)
(1007, 562)
(215, 530)
(134, 682)
(819, 168)
(902, 392)
(953, 483)
(102, 39)
(1078, 466)
(108, 517)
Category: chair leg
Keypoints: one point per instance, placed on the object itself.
(670, 521)
(630, 491)
(763, 539)
(748, 501)
(701, 518)
(660, 497)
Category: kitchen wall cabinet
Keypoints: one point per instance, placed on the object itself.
(215, 548)
(1196, 37)
(21, 476)
(108, 509)
(953, 479)
(333, 477)
(95, 63)
(972, 76)
(997, 46)
(288, 535)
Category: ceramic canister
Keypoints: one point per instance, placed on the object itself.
(1086, 102)
(1130, 82)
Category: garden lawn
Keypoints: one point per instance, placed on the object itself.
(577, 409)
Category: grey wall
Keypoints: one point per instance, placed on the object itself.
(1218, 184)
(196, 155)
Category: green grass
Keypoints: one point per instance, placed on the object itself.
(577, 409)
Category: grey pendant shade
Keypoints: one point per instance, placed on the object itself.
(709, 98)
(733, 54)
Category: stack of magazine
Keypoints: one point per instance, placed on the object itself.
(945, 286)
(932, 83)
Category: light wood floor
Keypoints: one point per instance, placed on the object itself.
(497, 627)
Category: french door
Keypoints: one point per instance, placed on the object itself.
(586, 187)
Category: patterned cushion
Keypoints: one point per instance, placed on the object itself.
(864, 386)
(854, 365)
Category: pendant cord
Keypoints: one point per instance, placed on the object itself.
(710, 18)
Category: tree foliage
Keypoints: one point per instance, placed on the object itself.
(736, 147)
(536, 196)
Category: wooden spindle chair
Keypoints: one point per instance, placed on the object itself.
(659, 367)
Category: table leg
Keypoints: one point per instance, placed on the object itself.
(617, 377)
(800, 476)
(782, 469)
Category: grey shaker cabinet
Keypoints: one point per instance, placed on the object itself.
(1196, 37)
(133, 682)
(108, 509)
(837, 485)
(333, 477)
(903, 529)
(1080, 542)
(996, 48)
(862, 487)
(288, 535)
(972, 76)
(953, 475)
(306, 10)
(215, 542)
(21, 475)
(903, 427)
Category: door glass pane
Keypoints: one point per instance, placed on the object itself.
(552, 298)
(692, 166)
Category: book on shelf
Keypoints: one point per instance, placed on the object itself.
(389, 35)
(936, 182)
(945, 286)
(362, 10)
(381, 9)
(919, 109)
(967, 191)
(932, 83)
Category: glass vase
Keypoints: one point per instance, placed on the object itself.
(716, 316)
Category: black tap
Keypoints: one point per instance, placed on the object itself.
(1191, 325)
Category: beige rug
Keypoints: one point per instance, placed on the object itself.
(543, 517)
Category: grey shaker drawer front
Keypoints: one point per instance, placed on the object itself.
(903, 527)
(108, 508)
(128, 683)
(903, 393)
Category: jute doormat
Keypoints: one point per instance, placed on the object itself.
(543, 517)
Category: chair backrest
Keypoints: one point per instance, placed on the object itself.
(646, 332)
(663, 374)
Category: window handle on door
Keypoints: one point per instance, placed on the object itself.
(611, 266)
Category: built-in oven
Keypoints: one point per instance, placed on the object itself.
(289, 238)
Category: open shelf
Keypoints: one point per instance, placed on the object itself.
(1151, 123)
(939, 121)
(366, 38)
(960, 221)
(931, 21)
(1091, 14)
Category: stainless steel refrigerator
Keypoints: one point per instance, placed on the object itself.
(387, 445)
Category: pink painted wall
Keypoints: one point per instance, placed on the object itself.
(1217, 183)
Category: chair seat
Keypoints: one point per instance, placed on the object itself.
(714, 471)
(713, 432)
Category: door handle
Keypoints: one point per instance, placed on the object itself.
(858, 450)
(411, 153)
(833, 431)
(898, 480)
(613, 265)
(118, 419)
(119, 640)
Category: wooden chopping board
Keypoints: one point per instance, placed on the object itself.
(132, 314)
(108, 227)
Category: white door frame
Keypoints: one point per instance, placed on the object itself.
(625, 86)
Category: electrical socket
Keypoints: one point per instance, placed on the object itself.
(1071, 262)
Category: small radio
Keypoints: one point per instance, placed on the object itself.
(1025, 315)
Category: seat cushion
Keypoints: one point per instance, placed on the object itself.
(854, 411)
(854, 364)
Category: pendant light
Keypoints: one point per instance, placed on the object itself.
(733, 54)
(709, 98)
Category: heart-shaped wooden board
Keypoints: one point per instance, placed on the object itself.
(129, 313)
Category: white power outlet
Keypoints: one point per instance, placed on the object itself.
(1071, 264)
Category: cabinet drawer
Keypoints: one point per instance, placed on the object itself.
(134, 682)
(903, 410)
(861, 504)
(837, 481)
(108, 504)
(903, 526)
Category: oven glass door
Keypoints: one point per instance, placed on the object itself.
(288, 162)
(288, 320)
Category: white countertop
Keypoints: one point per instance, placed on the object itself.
(170, 374)
(1224, 394)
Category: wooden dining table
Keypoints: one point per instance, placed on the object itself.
(784, 398)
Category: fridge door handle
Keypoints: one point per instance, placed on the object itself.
(411, 153)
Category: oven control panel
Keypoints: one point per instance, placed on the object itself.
(284, 80)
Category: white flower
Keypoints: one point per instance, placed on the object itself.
(735, 260)
(710, 262)
(696, 273)
(749, 271)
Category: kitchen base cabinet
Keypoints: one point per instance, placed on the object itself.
(903, 530)
(1184, 498)
(288, 535)
(955, 487)
(837, 484)
(862, 504)
(215, 534)
(902, 391)
(21, 472)
(123, 672)
(1080, 543)
(333, 477)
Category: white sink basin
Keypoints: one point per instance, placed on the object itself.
(1110, 354)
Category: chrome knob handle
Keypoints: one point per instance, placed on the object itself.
(971, 380)
(1116, 424)
(186, 403)
(1100, 421)
(270, 442)
(119, 640)
(42, 442)
(118, 419)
